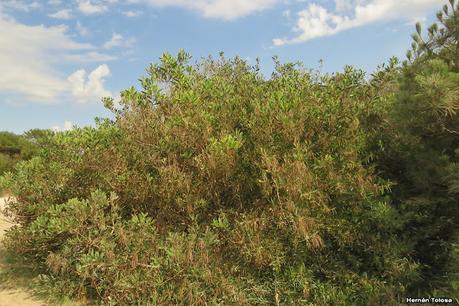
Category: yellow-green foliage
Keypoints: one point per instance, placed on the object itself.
(230, 189)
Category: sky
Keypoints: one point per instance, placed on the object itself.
(59, 57)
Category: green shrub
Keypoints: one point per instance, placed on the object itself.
(13, 149)
(230, 188)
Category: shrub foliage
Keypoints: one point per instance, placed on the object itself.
(216, 185)
(229, 188)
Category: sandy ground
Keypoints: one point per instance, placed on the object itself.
(13, 296)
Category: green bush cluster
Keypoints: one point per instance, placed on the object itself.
(229, 189)
(12, 149)
(15, 148)
(215, 185)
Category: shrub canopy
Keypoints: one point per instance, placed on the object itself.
(229, 188)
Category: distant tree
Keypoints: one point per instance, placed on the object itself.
(14, 148)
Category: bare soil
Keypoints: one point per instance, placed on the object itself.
(12, 293)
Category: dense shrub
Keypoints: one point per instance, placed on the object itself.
(230, 188)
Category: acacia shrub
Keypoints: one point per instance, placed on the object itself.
(215, 185)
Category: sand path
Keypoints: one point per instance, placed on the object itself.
(10, 295)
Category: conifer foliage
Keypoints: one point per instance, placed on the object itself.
(423, 155)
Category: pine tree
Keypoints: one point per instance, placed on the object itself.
(442, 38)
(422, 153)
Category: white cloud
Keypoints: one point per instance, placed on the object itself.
(118, 40)
(68, 126)
(21, 46)
(62, 14)
(90, 88)
(316, 21)
(20, 5)
(346, 5)
(132, 13)
(225, 9)
(90, 57)
(83, 31)
(88, 8)
(29, 56)
(54, 2)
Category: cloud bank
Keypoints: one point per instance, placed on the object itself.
(316, 21)
(29, 55)
(224, 9)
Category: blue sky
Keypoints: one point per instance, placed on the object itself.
(59, 57)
